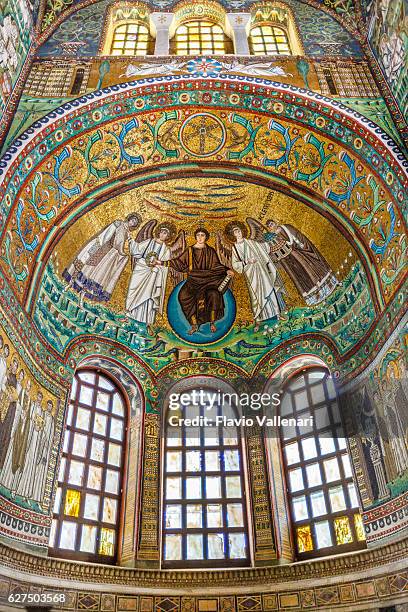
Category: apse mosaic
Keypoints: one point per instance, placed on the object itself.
(179, 266)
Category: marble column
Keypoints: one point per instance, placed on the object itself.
(161, 25)
(239, 26)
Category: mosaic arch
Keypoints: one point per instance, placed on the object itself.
(115, 152)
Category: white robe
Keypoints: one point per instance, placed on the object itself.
(42, 458)
(3, 373)
(147, 285)
(99, 279)
(26, 485)
(260, 276)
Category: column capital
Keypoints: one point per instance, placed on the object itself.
(238, 20)
(239, 27)
(161, 21)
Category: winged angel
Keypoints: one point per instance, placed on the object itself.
(147, 287)
(251, 257)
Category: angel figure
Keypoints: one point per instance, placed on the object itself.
(250, 256)
(147, 285)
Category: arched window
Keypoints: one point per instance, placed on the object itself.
(131, 38)
(322, 496)
(200, 37)
(87, 501)
(268, 39)
(204, 510)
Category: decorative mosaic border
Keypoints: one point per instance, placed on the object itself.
(75, 571)
(387, 520)
(351, 595)
(100, 95)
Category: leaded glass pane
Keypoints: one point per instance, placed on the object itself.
(358, 524)
(97, 450)
(323, 535)
(114, 454)
(94, 477)
(102, 401)
(216, 546)
(107, 542)
(88, 538)
(80, 444)
(300, 508)
(213, 487)
(91, 510)
(235, 515)
(194, 516)
(173, 488)
(112, 481)
(337, 500)
(100, 424)
(173, 516)
(72, 502)
(314, 477)
(318, 503)
(194, 546)
(304, 539)
(193, 488)
(214, 515)
(109, 510)
(342, 530)
(296, 479)
(76, 473)
(83, 418)
(193, 461)
(172, 547)
(173, 461)
(68, 535)
(237, 545)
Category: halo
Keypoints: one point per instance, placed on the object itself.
(169, 226)
(228, 230)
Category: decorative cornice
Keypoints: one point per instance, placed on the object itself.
(76, 571)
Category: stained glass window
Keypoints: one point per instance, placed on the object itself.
(322, 495)
(87, 501)
(269, 40)
(200, 38)
(130, 39)
(204, 511)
